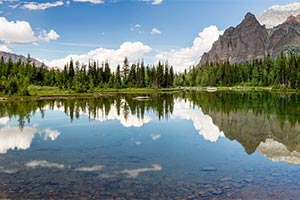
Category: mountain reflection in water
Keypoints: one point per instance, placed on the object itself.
(196, 145)
(263, 122)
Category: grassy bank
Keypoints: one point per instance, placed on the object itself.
(54, 91)
(46, 92)
(250, 88)
(246, 89)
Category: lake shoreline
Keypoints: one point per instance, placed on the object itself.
(243, 89)
(67, 94)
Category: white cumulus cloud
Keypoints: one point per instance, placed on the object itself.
(42, 6)
(90, 1)
(51, 35)
(2, 1)
(155, 136)
(137, 28)
(5, 49)
(182, 58)
(157, 2)
(277, 14)
(15, 31)
(134, 51)
(155, 31)
(154, 2)
(21, 31)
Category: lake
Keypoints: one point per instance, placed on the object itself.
(186, 145)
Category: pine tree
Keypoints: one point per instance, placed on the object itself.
(118, 81)
(142, 75)
(125, 71)
(171, 79)
(160, 75)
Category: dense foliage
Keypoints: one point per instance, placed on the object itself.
(16, 77)
(282, 72)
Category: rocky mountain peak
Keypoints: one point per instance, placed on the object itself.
(249, 20)
(250, 17)
(250, 40)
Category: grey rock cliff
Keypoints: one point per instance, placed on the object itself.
(251, 40)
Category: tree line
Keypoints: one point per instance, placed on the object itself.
(16, 77)
(281, 72)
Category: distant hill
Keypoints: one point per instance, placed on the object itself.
(251, 40)
(15, 58)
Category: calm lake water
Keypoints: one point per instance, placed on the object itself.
(196, 145)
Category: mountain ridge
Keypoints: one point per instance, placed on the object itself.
(250, 40)
(15, 58)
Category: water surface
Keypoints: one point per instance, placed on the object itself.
(196, 145)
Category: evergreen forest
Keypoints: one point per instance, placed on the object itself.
(282, 72)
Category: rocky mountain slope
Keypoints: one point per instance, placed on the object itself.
(15, 58)
(251, 40)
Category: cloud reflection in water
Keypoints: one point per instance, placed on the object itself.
(13, 138)
(90, 169)
(182, 109)
(202, 122)
(43, 163)
(133, 173)
(7, 171)
(4, 120)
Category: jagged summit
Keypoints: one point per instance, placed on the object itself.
(250, 16)
(250, 40)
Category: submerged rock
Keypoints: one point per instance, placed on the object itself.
(209, 169)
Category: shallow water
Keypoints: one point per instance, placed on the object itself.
(186, 146)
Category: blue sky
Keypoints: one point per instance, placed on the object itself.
(104, 25)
